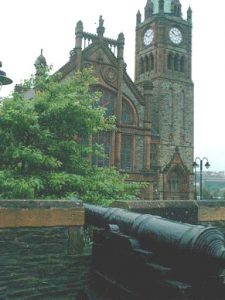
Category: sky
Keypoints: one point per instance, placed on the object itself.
(27, 26)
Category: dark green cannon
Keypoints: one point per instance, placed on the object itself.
(173, 242)
(146, 257)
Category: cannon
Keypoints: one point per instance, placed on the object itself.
(141, 256)
(173, 243)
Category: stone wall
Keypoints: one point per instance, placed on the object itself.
(182, 211)
(41, 246)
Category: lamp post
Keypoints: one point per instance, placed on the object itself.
(4, 80)
(196, 165)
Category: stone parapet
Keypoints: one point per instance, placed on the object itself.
(211, 210)
(41, 249)
(40, 213)
(178, 210)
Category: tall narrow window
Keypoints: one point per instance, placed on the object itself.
(170, 61)
(182, 64)
(126, 152)
(182, 109)
(146, 64)
(102, 159)
(107, 101)
(171, 108)
(152, 62)
(174, 183)
(176, 62)
(141, 66)
(153, 155)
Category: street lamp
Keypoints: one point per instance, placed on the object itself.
(196, 165)
(4, 80)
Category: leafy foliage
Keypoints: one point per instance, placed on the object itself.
(45, 149)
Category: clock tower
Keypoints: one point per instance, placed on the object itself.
(164, 56)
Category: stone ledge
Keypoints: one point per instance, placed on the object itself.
(210, 211)
(40, 213)
(178, 210)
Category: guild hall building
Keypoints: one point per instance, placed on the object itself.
(154, 113)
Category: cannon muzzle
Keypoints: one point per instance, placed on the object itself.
(167, 239)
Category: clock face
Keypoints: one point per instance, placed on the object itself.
(175, 35)
(148, 37)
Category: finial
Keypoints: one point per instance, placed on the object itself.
(189, 14)
(148, 9)
(121, 39)
(101, 28)
(79, 27)
(138, 17)
(40, 63)
(101, 21)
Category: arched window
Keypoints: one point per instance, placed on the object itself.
(153, 155)
(174, 182)
(141, 66)
(170, 61)
(182, 64)
(101, 158)
(127, 113)
(152, 62)
(146, 64)
(182, 108)
(176, 62)
(171, 107)
(126, 153)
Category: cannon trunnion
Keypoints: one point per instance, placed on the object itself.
(148, 257)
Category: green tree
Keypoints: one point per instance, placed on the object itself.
(45, 150)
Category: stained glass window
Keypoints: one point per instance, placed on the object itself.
(108, 101)
(126, 152)
(174, 182)
(153, 155)
(103, 139)
(127, 115)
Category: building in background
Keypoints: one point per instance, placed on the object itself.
(154, 113)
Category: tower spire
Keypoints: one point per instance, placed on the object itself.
(138, 17)
(148, 9)
(176, 8)
(189, 14)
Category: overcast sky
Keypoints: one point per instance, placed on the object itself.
(29, 25)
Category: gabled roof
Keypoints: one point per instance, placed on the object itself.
(175, 162)
(106, 57)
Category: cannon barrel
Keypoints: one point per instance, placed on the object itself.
(163, 236)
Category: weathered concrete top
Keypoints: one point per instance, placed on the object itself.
(211, 210)
(184, 211)
(40, 213)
